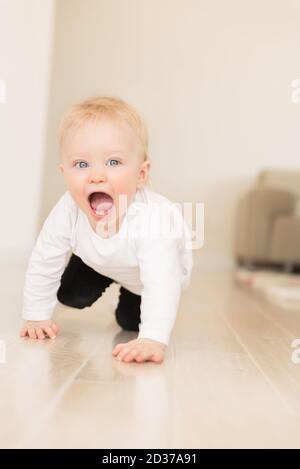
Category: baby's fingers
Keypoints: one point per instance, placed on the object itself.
(129, 356)
(157, 358)
(144, 356)
(40, 333)
(32, 333)
(127, 352)
(49, 331)
(55, 328)
(117, 349)
(24, 332)
(141, 357)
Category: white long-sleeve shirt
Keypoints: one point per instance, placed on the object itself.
(141, 257)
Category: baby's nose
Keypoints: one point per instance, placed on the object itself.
(97, 176)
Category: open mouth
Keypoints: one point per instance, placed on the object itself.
(100, 203)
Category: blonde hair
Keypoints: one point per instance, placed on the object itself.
(112, 107)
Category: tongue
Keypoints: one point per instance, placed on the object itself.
(101, 202)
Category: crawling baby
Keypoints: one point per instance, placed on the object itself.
(109, 226)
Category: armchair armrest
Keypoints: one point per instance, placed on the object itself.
(256, 213)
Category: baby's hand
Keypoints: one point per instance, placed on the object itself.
(140, 350)
(39, 329)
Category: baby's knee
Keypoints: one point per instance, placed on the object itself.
(72, 301)
(125, 322)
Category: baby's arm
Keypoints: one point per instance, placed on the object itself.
(161, 277)
(46, 265)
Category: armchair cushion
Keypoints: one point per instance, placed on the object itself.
(267, 228)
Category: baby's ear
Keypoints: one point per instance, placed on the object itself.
(61, 168)
(144, 172)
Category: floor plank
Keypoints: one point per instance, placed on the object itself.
(228, 380)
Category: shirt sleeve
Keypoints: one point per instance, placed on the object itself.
(48, 260)
(161, 276)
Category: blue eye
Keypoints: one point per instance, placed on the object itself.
(116, 161)
(80, 163)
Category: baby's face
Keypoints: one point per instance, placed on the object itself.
(103, 156)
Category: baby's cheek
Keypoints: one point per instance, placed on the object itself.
(77, 195)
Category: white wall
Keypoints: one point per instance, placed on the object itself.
(213, 80)
(211, 77)
(26, 29)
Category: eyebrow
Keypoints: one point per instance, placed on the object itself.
(87, 155)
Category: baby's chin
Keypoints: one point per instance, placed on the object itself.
(108, 224)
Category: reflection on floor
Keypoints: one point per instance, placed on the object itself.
(228, 380)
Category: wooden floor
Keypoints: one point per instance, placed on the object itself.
(228, 380)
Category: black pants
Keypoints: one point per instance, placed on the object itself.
(81, 286)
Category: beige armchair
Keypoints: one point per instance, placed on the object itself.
(268, 221)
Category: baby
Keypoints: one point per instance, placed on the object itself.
(113, 226)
